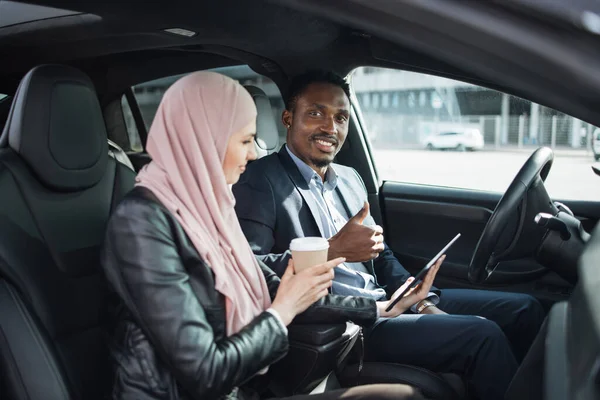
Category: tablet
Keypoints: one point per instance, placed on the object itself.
(422, 273)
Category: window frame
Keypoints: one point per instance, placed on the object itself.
(143, 127)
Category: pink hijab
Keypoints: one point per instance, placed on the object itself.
(187, 142)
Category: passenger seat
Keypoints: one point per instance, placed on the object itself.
(58, 188)
(4, 110)
(114, 150)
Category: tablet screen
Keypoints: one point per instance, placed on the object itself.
(422, 273)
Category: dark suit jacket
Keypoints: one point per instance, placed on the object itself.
(274, 206)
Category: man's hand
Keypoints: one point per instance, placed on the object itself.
(414, 296)
(357, 242)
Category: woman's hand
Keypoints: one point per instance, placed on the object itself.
(299, 291)
(415, 295)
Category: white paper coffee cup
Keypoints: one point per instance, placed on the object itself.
(308, 252)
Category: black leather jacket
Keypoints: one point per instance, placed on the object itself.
(168, 338)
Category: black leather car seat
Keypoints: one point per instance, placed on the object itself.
(58, 186)
(434, 386)
(5, 103)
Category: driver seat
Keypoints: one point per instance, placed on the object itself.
(58, 188)
(432, 385)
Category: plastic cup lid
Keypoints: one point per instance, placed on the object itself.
(309, 244)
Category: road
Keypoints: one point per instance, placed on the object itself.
(571, 176)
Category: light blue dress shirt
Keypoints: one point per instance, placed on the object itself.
(351, 279)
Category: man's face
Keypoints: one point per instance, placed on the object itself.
(318, 124)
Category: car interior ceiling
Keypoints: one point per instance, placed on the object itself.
(122, 38)
(118, 48)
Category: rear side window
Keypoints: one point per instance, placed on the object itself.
(135, 143)
(149, 94)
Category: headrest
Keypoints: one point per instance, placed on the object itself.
(267, 137)
(56, 125)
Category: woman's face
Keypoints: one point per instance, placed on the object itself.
(240, 150)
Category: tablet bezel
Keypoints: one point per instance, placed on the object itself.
(422, 273)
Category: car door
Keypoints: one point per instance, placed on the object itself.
(426, 198)
(437, 140)
(450, 140)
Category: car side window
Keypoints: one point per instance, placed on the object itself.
(135, 141)
(149, 94)
(431, 130)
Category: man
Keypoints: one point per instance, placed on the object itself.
(300, 192)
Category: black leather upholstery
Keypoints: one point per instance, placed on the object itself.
(4, 110)
(55, 127)
(315, 334)
(267, 138)
(58, 188)
(432, 385)
(312, 357)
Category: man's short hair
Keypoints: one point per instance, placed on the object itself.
(300, 82)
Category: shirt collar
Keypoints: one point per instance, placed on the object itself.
(308, 173)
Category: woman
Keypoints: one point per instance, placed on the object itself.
(195, 317)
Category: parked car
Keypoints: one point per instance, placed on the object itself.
(469, 139)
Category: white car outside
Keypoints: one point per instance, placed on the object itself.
(468, 139)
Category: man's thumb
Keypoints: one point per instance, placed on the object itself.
(362, 214)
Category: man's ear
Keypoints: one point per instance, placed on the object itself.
(286, 118)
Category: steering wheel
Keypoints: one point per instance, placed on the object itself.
(530, 178)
